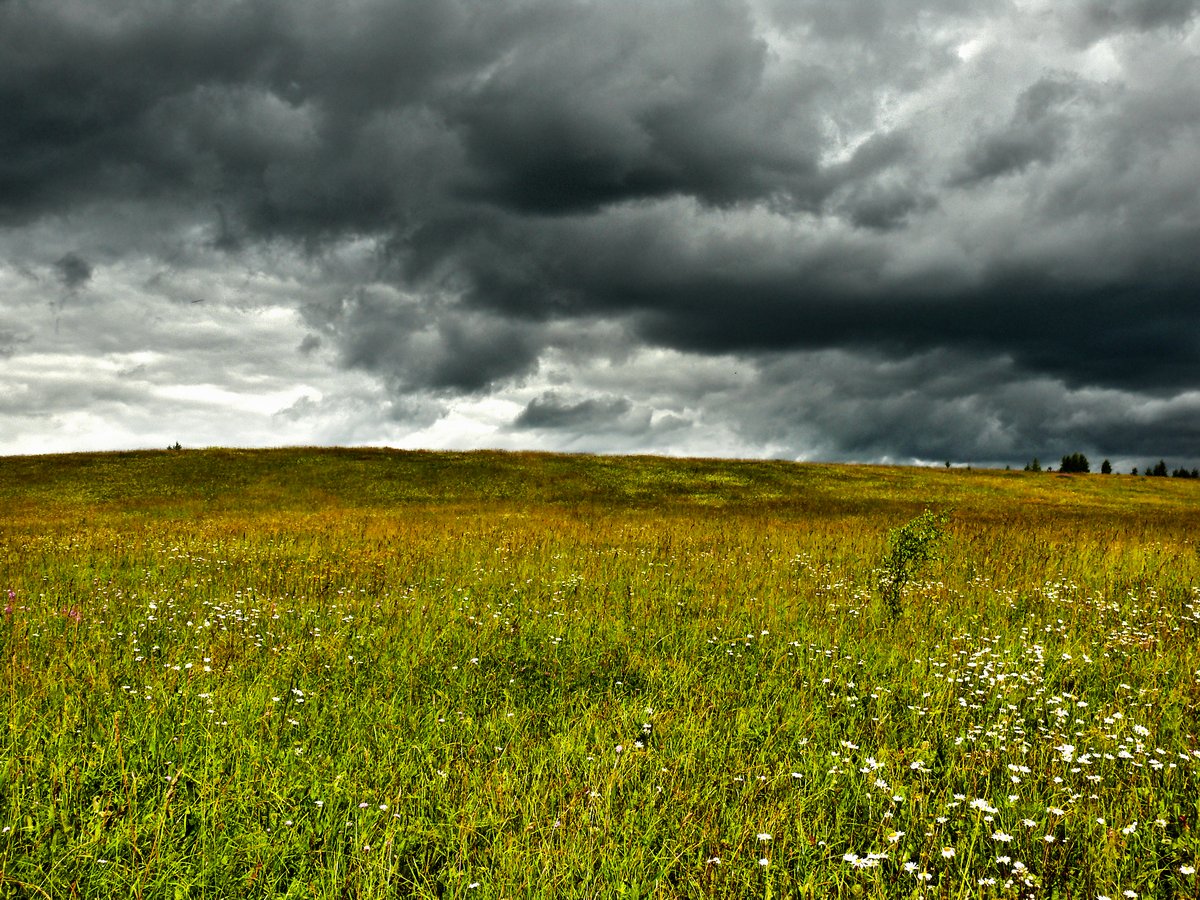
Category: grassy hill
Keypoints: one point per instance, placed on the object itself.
(328, 673)
(189, 483)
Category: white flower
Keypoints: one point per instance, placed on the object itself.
(1001, 836)
(764, 862)
(948, 853)
(763, 836)
(981, 804)
(713, 860)
(1187, 870)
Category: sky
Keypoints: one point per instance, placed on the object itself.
(903, 231)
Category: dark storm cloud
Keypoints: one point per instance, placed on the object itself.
(620, 101)
(761, 180)
(73, 270)
(1035, 133)
(421, 344)
(593, 414)
(1100, 17)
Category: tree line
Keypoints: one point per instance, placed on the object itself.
(1077, 463)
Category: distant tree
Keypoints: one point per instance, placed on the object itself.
(1076, 463)
(1184, 473)
(1134, 472)
(1106, 468)
(1160, 469)
(1034, 466)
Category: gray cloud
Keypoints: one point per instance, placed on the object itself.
(591, 415)
(1097, 18)
(73, 270)
(452, 194)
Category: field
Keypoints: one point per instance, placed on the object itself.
(366, 673)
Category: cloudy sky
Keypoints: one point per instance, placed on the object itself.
(869, 230)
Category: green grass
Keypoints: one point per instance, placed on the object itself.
(366, 673)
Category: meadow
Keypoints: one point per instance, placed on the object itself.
(371, 673)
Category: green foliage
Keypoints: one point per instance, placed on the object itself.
(910, 547)
(1034, 466)
(1106, 468)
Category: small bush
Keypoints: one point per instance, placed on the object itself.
(910, 546)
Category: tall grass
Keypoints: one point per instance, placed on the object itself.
(364, 673)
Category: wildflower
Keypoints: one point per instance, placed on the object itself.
(713, 861)
(764, 862)
(1187, 870)
(1001, 836)
(947, 853)
(763, 836)
(895, 836)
